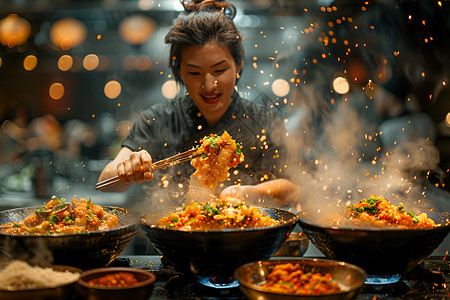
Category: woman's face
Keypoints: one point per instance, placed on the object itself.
(209, 75)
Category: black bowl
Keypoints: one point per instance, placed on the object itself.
(206, 253)
(378, 251)
(350, 278)
(84, 250)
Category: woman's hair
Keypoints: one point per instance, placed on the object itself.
(204, 21)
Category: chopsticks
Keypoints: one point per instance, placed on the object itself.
(167, 162)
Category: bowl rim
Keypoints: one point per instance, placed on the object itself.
(95, 232)
(302, 221)
(287, 223)
(151, 278)
(256, 287)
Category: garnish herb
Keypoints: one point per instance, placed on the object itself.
(53, 219)
(209, 210)
(238, 151)
(68, 220)
(286, 283)
(40, 208)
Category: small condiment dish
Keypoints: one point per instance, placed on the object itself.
(136, 291)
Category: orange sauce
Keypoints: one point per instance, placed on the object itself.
(119, 279)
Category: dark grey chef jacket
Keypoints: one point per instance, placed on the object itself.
(177, 125)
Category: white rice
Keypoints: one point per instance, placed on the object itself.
(19, 275)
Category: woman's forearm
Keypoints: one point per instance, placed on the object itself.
(281, 189)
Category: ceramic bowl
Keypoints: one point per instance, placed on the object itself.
(136, 291)
(350, 278)
(61, 292)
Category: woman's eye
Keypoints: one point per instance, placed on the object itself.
(194, 73)
(221, 70)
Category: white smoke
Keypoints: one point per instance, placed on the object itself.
(345, 163)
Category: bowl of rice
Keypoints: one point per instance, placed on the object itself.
(20, 280)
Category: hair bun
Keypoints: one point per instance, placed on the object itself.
(219, 5)
(230, 11)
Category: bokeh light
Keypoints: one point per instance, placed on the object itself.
(143, 63)
(91, 62)
(129, 62)
(341, 85)
(146, 4)
(170, 89)
(112, 89)
(370, 89)
(14, 30)
(280, 87)
(68, 33)
(30, 62)
(65, 62)
(136, 29)
(56, 91)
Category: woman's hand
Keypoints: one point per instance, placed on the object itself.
(136, 168)
(130, 167)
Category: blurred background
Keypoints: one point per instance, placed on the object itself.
(74, 75)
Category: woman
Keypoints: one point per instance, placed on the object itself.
(206, 57)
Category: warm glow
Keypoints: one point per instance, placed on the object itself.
(370, 89)
(341, 85)
(88, 139)
(91, 62)
(30, 62)
(143, 63)
(56, 91)
(447, 119)
(280, 87)
(112, 89)
(65, 62)
(146, 4)
(67, 33)
(128, 63)
(136, 29)
(14, 30)
(170, 89)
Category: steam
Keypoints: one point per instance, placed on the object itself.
(33, 251)
(345, 164)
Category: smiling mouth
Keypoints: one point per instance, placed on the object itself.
(210, 99)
